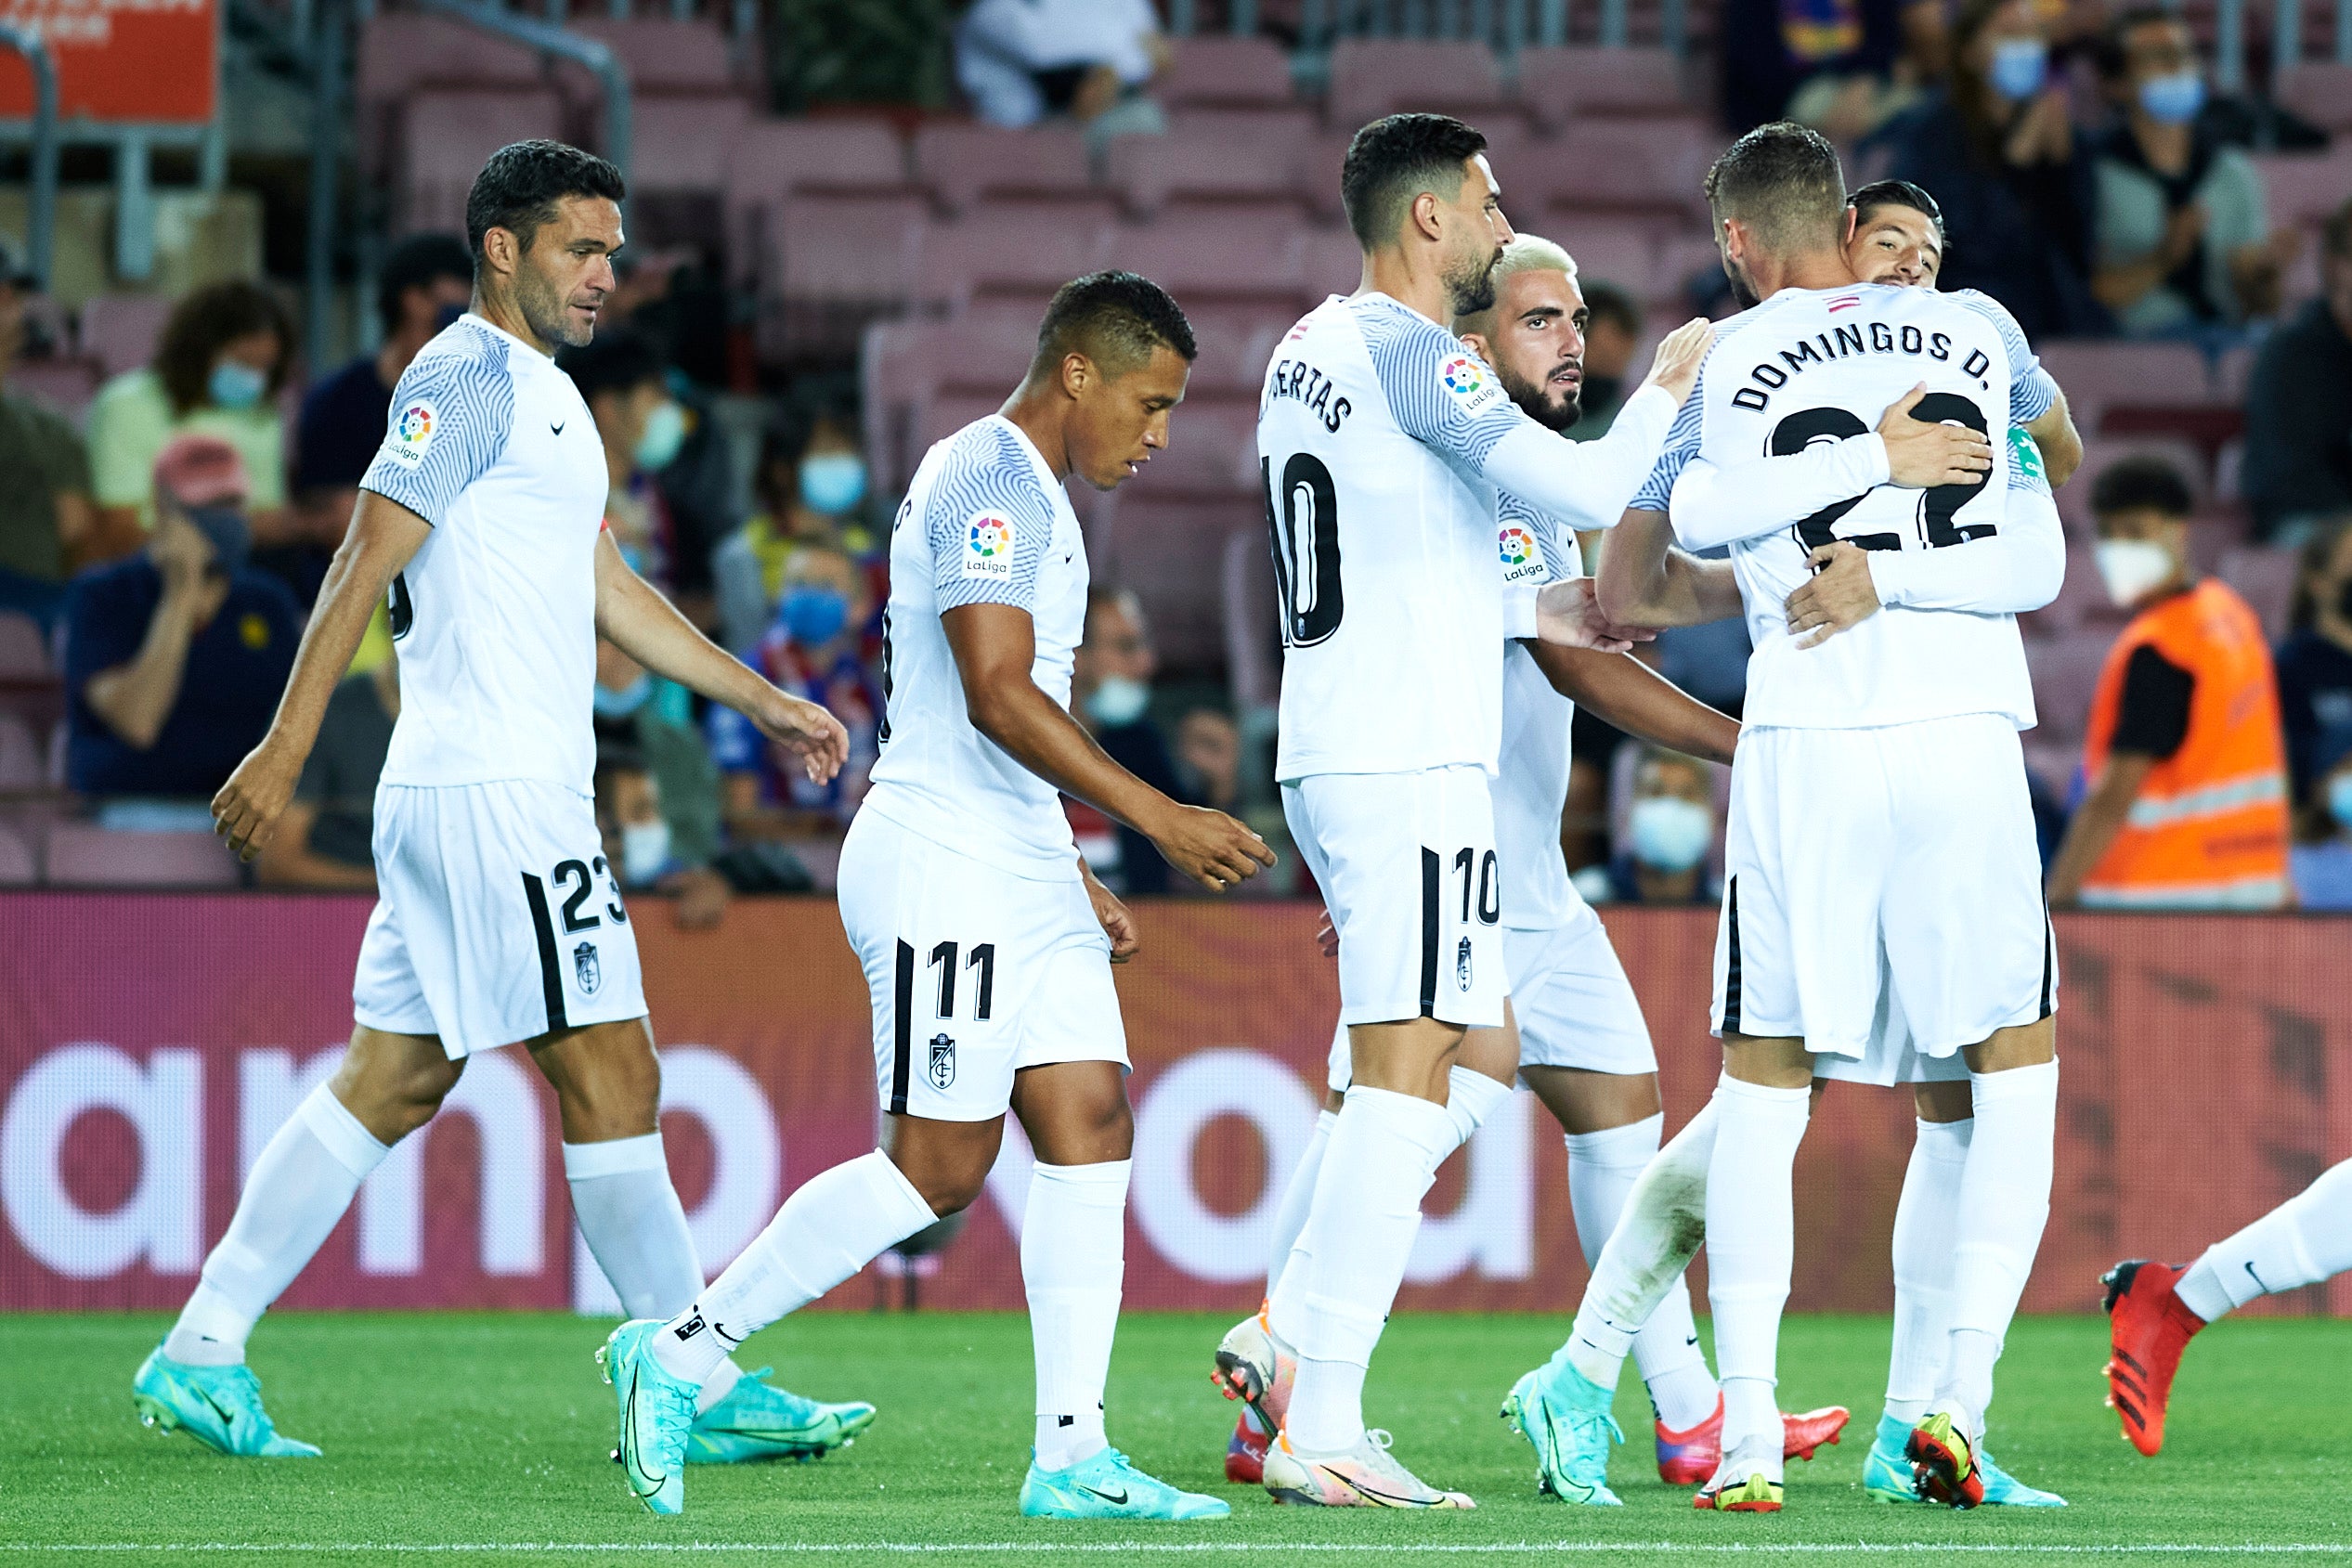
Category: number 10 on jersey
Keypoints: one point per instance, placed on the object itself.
(1303, 515)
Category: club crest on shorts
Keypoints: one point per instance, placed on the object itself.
(1462, 965)
(943, 1061)
(584, 965)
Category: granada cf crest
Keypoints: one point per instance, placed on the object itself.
(585, 966)
(1462, 965)
(943, 1061)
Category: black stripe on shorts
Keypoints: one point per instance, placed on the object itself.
(1731, 965)
(2049, 962)
(901, 1029)
(1431, 874)
(551, 962)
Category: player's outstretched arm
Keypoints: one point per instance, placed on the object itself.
(1638, 700)
(1588, 483)
(1644, 581)
(382, 538)
(2053, 431)
(634, 617)
(996, 648)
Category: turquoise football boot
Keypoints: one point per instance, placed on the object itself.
(1888, 1477)
(219, 1406)
(758, 1420)
(657, 1412)
(1566, 1415)
(1107, 1487)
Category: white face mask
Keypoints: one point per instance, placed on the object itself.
(2133, 568)
(645, 849)
(1119, 700)
(1669, 832)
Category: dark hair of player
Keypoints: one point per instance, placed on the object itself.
(1895, 193)
(209, 321)
(617, 361)
(1115, 320)
(1604, 300)
(418, 262)
(518, 188)
(2142, 484)
(1783, 182)
(1392, 160)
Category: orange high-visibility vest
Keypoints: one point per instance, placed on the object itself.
(2208, 829)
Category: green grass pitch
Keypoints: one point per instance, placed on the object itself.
(483, 1438)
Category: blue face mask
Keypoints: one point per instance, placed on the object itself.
(813, 615)
(665, 432)
(1669, 832)
(610, 703)
(235, 384)
(2340, 800)
(2173, 100)
(2020, 66)
(832, 482)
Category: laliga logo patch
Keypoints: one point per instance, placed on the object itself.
(412, 432)
(1465, 381)
(988, 546)
(1522, 556)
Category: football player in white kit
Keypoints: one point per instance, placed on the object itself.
(1384, 442)
(1574, 1032)
(987, 945)
(1883, 878)
(499, 919)
(1897, 237)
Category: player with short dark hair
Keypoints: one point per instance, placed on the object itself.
(480, 528)
(986, 942)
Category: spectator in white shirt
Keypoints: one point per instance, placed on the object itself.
(1023, 61)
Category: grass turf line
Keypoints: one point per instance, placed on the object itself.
(489, 1432)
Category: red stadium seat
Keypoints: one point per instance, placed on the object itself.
(64, 386)
(121, 331)
(2064, 671)
(1654, 169)
(830, 262)
(1233, 357)
(682, 143)
(24, 653)
(22, 765)
(2099, 451)
(1224, 167)
(1315, 164)
(771, 159)
(962, 164)
(83, 855)
(1609, 248)
(2304, 187)
(1559, 84)
(1257, 262)
(1221, 71)
(402, 52)
(2265, 576)
(446, 134)
(1334, 263)
(1370, 77)
(1275, 126)
(666, 55)
(1169, 546)
(18, 866)
(1014, 250)
(904, 363)
(2320, 92)
(2099, 376)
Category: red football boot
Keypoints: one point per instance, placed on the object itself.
(1245, 1454)
(1689, 1458)
(1943, 1458)
(2147, 1327)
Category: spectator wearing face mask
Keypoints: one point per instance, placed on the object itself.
(2322, 861)
(813, 490)
(1669, 829)
(639, 843)
(2185, 805)
(217, 372)
(642, 426)
(2315, 662)
(2182, 240)
(630, 712)
(816, 649)
(176, 657)
(47, 524)
(1110, 695)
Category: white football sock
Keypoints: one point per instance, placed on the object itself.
(2004, 1201)
(1367, 1208)
(1663, 1221)
(1471, 1097)
(1603, 1167)
(1752, 1245)
(832, 1226)
(1925, 1219)
(2304, 1240)
(297, 1191)
(1290, 1216)
(629, 1216)
(1074, 1265)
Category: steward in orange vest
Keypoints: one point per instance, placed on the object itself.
(2187, 763)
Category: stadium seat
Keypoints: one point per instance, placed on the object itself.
(18, 866)
(1333, 263)
(1226, 168)
(402, 52)
(64, 386)
(2265, 575)
(2064, 671)
(1252, 656)
(1559, 84)
(83, 855)
(25, 655)
(2081, 597)
(1654, 169)
(121, 331)
(2099, 376)
(1255, 262)
(941, 417)
(1015, 250)
(1212, 71)
(903, 363)
(1233, 357)
(666, 55)
(773, 159)
(2099, 451)
(682, 143)
(446, 136)
(2320, 92)
(1621, 252)
(22, 766)
(831, 260)
(1315, 164)
(1169, 546)
(962, 164)
(1370, 77)
(2304, 187)
(1274, 125)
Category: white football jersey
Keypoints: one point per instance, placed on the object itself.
(495, 617)
(984, 522)
(1531, 790)
(1820, 364)
(1382, 441)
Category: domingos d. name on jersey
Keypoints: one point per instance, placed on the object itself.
(1776, 367)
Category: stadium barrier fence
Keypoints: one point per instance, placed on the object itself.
(150, 1044)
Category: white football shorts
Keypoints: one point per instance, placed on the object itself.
(1882, 883)
(1406, 863)
(974, 973)
(497, 918)
(1574, 1005)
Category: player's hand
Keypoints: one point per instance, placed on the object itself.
(1209, 847)
(1117, 924)
(1569, 614)
(1839, 595)
(1327, 935)
(1676, 365)
(701, 898)
(806, 730)
(1922, 453)
(246, 811)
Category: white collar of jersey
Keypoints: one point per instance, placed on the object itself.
(1036, 458)
(486, 324)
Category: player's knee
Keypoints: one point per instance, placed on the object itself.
(951, 1189)
(394, 1099)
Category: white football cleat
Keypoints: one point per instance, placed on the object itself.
(1364, 1476)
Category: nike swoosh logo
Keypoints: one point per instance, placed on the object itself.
(1118, 1498)
(226, 1418)
(628, 1443)
(557, 428)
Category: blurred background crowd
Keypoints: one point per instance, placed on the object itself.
(845, 216)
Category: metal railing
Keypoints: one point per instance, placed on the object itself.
(549, 39)
(40, 218)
